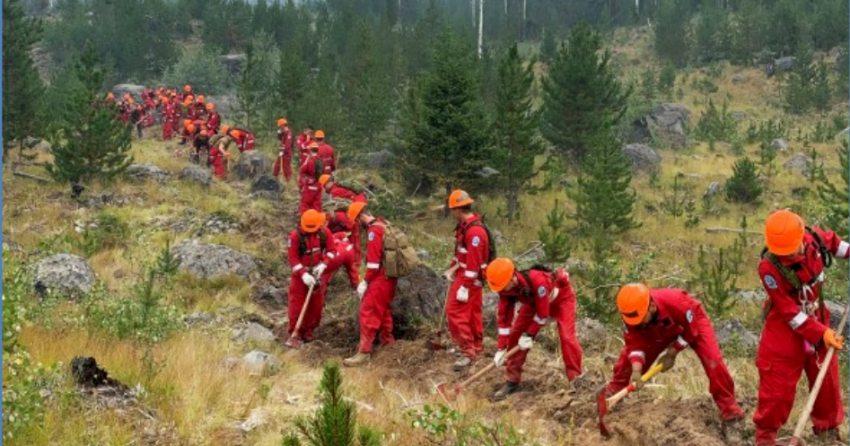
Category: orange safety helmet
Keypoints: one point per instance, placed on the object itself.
(784, 232)
(320, 134)
(187, 88)
(204, 132)
(110, 95)
(187, 123)
(236, 134)
(210, 106)
(201, 99)
(324, 179)
(225, 129)
(499, 273)
(633, 303)
(314, 145)
(190, 128)
(281, 122)
(355, 209)
(312, 220)
(459, 198)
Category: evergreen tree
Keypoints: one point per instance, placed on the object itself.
(515, 128)
(604, 197)
(750, 24)
(581, 97)
(291, 81)
(368, 94)
(744, 185)
(254, 88)
(444, 136)
(671, 31)
(21, 85)
(548, 47)
(821, 91)
(836, 197)
(91, 142)
(667, 79)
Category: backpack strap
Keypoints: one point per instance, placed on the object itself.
(824, 252)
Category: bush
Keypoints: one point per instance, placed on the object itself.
(554, 236)
(443, 425)
(106, 231)
(716, 279)
(716, 125)
(744, 186)
(667, 79)
(199, 68)
(766, 131)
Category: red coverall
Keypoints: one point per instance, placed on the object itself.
(303, 263)
(213, 122)
(245, 142)
(303, 147)
(464, 318)
(168, 121)
(284, 157)
(328, 156)
(342, 256)
(791, 341)
(338, 191)
(539, 304)
(376, 316)
(681, 321)
(339, 222)
(217, 161)
(311, 193)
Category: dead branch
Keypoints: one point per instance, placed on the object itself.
(403, 399)
(732, 230)
(31, 177)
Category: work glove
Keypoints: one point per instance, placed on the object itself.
(449, 274)
(308, 279)
(525, 342)
(669, 359)
(319, 269)
(361, 289)
(462, 294)
(636, 379)
(499, 358)
(831, 340)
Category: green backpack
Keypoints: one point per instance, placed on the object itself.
(400, 258)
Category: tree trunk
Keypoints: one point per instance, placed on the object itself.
(472, 11)
(513, 204)
(524, 20)
(480, 28)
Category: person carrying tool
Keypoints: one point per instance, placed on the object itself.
(304, 141)
(244, 139)
(326, 153)
(472, 253)
(309, 173)
(668, 321)
(306, 247)
(213, 119)
(376, 291)
(796, 332)
(342, 256)
(283, 163)
(543, 294)
(336, 190)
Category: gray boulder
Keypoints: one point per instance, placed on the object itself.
(266, 183)
(739, 79)
(232, 62)
(642, 156)
(258, 361)
(592, 335)
(836, 312)
(379, 160)
(751, 296)
(226, 105)
(713, 189)
(196, 174)
(147, 171)
(206, 261)
(252, 332)
(253, 164)
(198, 318)
(134, 90)
(780, 144)
(419, 299)
(64, 274)
(785, 63)
(669, 123)
(733, 331)
(269, 295)
(798, 164)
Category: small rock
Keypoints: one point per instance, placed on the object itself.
(423, 255)
(592, 334)
(269, 295)
(751, 296)
(779, 144)
(642, 156)
(713, 189)
(739, 79)
(253, 164)
(259, 361)
(65, 274)
(147, 171)
(196, 174)
(266, 183)
(252, 332)
(734, 331)
(785, 63)
(257, 418)
(577, 265)
(198, 317)
(799, 164)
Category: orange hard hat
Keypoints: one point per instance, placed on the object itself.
(110, 95)
(201, 99)
(281, 122)
(186, 122)
(783, 232)
(314, 145)
(312, 220)
(633, 303)
(499, 273)
(188, 100)
(236, 134)
(459, 198)
(191, 128)
(225, 129)
(355, 209)
(320, 134)
(324, 179)
(210, 106)
(187, 88)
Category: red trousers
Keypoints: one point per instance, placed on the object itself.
(720, 383)
(311, 198)
(167, 129)
(286, 164)
(342, 259)
(466, 323)
(313, 316)
(563, 312)
(778, 379)
(376, 315)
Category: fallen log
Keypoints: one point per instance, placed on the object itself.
(31, 177)
(732, 230)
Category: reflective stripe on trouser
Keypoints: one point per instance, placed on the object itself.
(376, 316)
(466, 324)
(313, 316)
(720, 383)
(310, 199)
(778, 386)
(563, 314)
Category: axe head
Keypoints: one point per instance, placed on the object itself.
(601, 411)
(447, 392)
(294, 342)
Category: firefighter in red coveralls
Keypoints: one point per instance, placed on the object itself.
(796, 331)
(336, 190)
(466, 272)
(244, 139)
(326, 153)
(543, 294)
(306, 248)
(284, 156)
(168, 112)
(213, 119)
(342, 256)
(304, 141)
(668, 321)
(376, 291)
(338, 221)
(309, 173)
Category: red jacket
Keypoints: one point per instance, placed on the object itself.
(217, 162)
(303, 147)
(284, 135)
(375, 250)
(343, 245)
(472, 252)
(671, 325)
(538, 294)
(338, 191)
(313, 253)
(794, 314)
(245, 143)
(328, 156)
(213, 121)
(308, 176)
(168, 110)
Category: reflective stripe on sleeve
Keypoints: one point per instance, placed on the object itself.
(373, 265)
(297, 267)
(541, 321)
(331, 255)
(681, 342)
(462, 250)
(504, 331)
(843, 247)
(798, 320)
(637, 354)
(470, 274)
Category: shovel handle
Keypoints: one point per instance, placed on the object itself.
(303, 312)
(486, 369)
(631, 387)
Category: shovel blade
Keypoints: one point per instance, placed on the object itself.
(293, 342)
(601, 411)
(447, 392)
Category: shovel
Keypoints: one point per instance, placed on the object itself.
(294, 341)
(603, 405)
(450, 394)
(435, 342)
(796, 439)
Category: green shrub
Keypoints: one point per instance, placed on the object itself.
(443, 425)
(106, 231)
(201, 69)
(766, 131)
(744, 185)
(554, 235)
(716, 124)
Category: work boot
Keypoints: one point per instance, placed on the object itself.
(829, 437)
(462, 363)
(507, 389)
(357, 360)
(733, 430)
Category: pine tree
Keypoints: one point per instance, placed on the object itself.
(444, 137)
(21, 85)
(671, 31)
(743, 186)
(254, 87)
(515, 128)
(836, 197)
(91, 142)
(369, 94)
(821, 91)
(581, 97)
(603, 196)
(548, 47)
(291, 80)
(748, 31)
